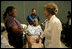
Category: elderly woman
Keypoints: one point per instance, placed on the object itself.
(53, 27)
(34, 31)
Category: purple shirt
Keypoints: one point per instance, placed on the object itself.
(10, 22)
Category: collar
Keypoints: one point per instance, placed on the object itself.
(51, 18)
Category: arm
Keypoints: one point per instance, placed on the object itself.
(16, 30)
(40, 37)
(38, 18)
(27, 20)
(27, 38)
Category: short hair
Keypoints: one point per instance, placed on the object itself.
(52, 8)
(33, 9)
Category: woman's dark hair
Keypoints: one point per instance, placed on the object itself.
(8, 9)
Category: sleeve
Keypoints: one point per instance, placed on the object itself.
(27, 18)
(41, 31)
(28, 29)
(11, 22)
(42, 34)
(38, 18)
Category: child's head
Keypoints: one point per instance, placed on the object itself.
(35, 22)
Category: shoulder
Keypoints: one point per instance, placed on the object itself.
(56, 21)
(29, 15)
(36, 15)
(9, 19)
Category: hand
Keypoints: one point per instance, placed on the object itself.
(12, 47)
(37, 40)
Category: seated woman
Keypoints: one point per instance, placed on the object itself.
(33, 32)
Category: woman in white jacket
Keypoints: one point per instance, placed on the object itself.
(53, 27)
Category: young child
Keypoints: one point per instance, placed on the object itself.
(34, 31)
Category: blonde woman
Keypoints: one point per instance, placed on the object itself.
(53, 27)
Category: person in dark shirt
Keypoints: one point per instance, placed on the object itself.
(32, 16)
(68, 30)
(13, 27)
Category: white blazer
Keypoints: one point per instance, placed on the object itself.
(52, 33)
